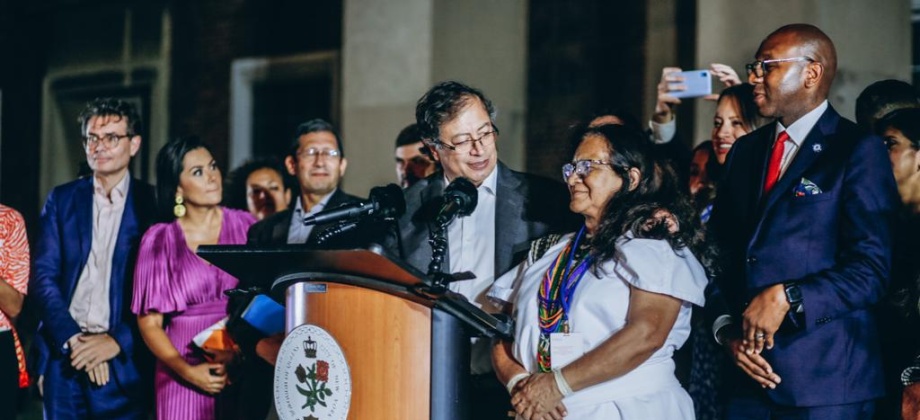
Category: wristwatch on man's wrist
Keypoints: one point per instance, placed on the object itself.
(794, 297)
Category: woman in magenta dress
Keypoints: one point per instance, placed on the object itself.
(176, 293)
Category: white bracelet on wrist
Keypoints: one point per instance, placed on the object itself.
(561, 383)
(514, 381)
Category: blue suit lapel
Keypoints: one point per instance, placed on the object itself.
(84, 222)
(763, 146)
(812, 147)
(123, 246)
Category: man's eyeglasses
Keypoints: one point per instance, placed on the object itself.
(581, 168)
(110, 140)
(759, 68)
(464, 142)
(314, 152)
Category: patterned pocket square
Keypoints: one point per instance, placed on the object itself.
(806, 188)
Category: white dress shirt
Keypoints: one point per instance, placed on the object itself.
(471, 243)
(797, 131)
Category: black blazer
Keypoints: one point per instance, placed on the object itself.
(273, 230)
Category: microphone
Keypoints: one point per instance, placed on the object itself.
(387, 201)
(460, 198)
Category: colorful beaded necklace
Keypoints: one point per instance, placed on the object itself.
(555, 295)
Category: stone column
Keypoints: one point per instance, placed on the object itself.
(394, 51)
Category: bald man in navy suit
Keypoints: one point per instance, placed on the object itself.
(803, 221)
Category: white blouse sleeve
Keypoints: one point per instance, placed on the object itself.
(504, 290)
(652, 265)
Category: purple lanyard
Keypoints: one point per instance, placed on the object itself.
(571, 279)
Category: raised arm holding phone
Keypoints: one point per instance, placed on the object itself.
(672, 81)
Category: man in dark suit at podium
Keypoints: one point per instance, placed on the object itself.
(317, 159)
(457, 124)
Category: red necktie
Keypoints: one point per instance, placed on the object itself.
(776, 161)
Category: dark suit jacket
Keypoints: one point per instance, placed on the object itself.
(527, 207)
(835, 244)
(273, 230)
(61, 252)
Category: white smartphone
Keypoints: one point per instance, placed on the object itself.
(696, 83)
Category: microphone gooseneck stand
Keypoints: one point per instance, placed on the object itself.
(459, 199)
(338, 229)
(437, 238)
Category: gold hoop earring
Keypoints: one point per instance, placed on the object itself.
(179, 208)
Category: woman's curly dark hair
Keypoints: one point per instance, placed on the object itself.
(638, 211)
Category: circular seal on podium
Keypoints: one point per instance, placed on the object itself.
(312, 379)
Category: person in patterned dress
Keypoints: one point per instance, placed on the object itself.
(14, 279)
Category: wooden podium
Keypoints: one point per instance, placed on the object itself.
(406, 343)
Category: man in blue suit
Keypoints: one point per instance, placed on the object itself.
(803, 221)
(91, 360)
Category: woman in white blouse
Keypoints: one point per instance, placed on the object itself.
(599, 313)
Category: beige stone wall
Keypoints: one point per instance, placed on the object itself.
(394, 51)
(484, 43)
(386, 65)
(662, 33)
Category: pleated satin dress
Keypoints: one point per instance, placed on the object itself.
(189, 292)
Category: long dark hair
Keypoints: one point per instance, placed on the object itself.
(633, 211)
(169, 167)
